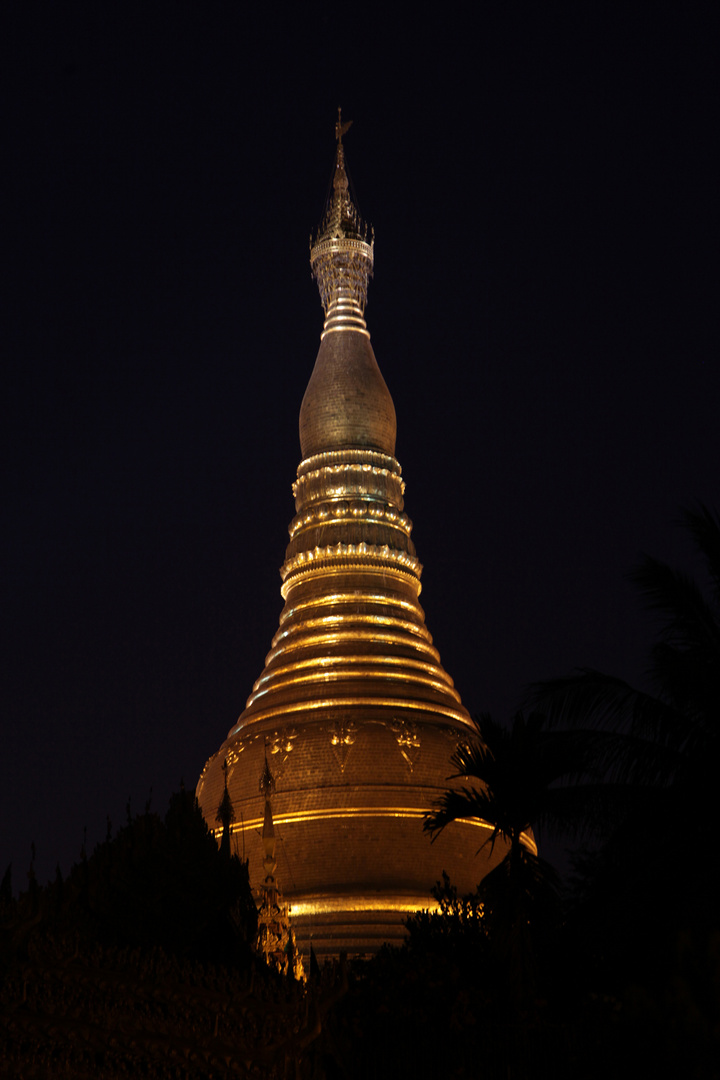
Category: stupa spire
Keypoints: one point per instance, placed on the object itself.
(353, 709)
(340, 256)
(267, 788)
(275, 939)
(226, 813)
(347, 403)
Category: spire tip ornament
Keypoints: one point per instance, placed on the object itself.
(340, 128)
(341, 259)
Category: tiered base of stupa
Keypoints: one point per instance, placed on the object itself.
(348, 809)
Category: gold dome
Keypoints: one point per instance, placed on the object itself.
(346, 404)
(353, 708)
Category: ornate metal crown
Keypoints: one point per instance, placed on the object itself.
(340, 256)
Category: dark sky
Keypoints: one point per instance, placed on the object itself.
(543, 190)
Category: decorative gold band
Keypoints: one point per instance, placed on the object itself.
(300, 817)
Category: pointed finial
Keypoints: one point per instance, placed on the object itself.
(226, 813)
(340, 128)
(267, 780)
(340, 180)
(340, 256)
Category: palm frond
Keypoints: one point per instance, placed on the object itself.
(704, 527)
(690, 682)
(690, 621)
(639, 738)
(594, 699)
(647, 739)
(530, 871)
(585, 811)
(465, 803)
(525, 774)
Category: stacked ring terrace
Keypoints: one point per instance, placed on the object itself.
(353, 709)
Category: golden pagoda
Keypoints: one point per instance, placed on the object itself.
(353, 708)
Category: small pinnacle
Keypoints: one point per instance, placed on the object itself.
(267, 781)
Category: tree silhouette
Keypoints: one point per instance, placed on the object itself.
(653, 880)
(161, 883)
(517, 777)
(670, 735)
(667, 739)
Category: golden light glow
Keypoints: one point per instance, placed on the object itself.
(338, 325)
(355, 597)
(350, 511)
(328, 457)
(348, 480)
(339, 637)
(297, 817)
(387, 570)
(344, 468)
(356, 618)
(369, 671)
(363, 703)
(331, 905)
(341, 551)
(340, 520)
(303, 817)
(330, 662)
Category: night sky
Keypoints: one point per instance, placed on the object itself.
(543, 190)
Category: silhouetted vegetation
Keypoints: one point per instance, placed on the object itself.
(162, 882)
(140, 964)
(650, 890)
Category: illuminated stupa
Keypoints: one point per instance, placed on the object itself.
(354, 709)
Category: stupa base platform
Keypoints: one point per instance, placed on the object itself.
(355, 924)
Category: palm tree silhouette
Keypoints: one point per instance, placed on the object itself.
(660, 756)
(669, 736)
(636, 769)
(518, 777)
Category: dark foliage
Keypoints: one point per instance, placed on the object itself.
(526, 775)
(163, 883)
(515, 777)
(654, 876)
(139, 964)
(670, 736)
(158, 884)
(644, 928)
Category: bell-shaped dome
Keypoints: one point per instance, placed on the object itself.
(346, 403)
